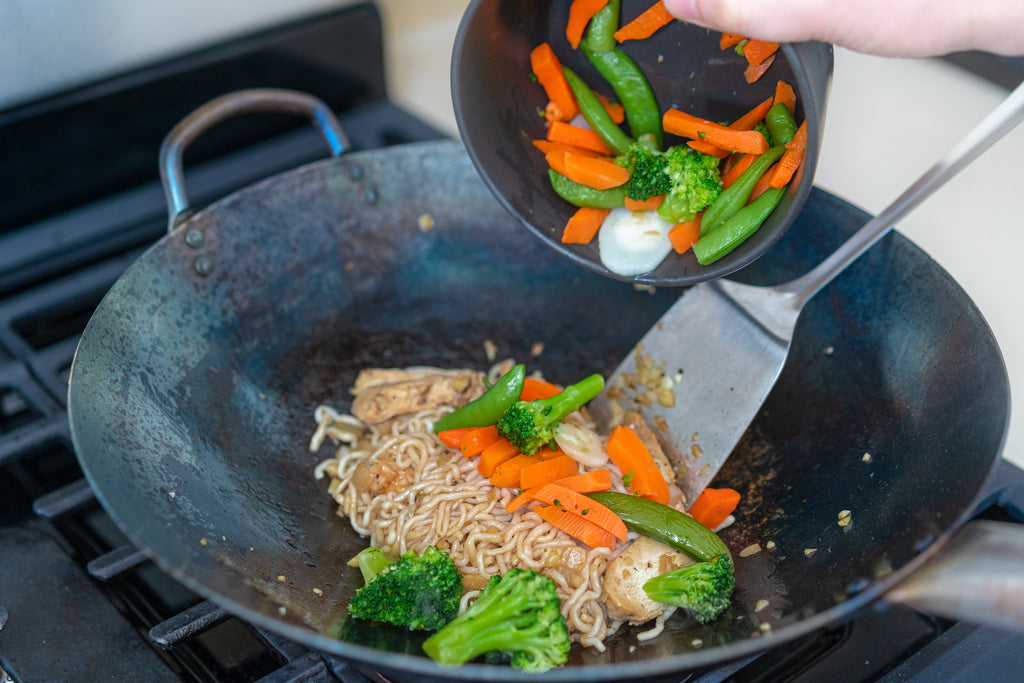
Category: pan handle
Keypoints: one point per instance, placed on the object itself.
(240, 102)
(976, 577)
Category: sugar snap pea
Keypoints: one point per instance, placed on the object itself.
(781, 123)
(601, 30)
(581, 195)
(734, 197)
(596, 115)
(733, 231)
(486, 409)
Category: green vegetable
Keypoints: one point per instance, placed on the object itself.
(485, 410)
(696, 183)
(520, 613)
(418, 591)
(581, 195)
(732, 232)
(373, 561)
(529, 425)
(762, 128)
(647, 171)
(704, 588)
(596, 115)
(600, 35)
(780, 123)
(663, 523)
(735, 197)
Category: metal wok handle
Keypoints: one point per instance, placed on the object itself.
(241, 102)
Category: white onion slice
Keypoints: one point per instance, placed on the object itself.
(581, 444)
(633, 242)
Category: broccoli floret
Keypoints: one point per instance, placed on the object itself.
(704, 588)
(530, 425)
(696, 183)
(518, 613)
(647, 172)
(418, 591)
(762, 128)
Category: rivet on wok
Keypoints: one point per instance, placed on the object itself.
(194, 237)
(355, 171)
(203, 265)
(370, 195)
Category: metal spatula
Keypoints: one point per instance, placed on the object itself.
(723, 344)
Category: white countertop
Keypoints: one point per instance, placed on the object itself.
(913, 110)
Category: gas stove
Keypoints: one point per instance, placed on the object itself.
(81, 200)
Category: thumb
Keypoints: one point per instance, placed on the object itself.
(779, 20)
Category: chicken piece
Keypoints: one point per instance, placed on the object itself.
(635, 420)
(625, 576)
(382, 394)
(387, 477)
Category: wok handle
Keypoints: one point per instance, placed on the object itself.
(240, 102)
(976, 577)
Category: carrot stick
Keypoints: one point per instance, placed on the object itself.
(784, 93)
(567, 499)
(756, 51)
(507, 473)
(588, 482)
(753, 117)
(547, 453)
(534, 388)
(580, 14)
(616, 111)
(583, 224)
(495, 454)
(644, 26)
(791, 159)
(683, 235)
(762, 184)
(634, 461)
(752, 73)
(709, 149)
(723, 137)
(594, 172)
(727, 40)
(737, 169)
(548, 70)
(577, 526)
(559, 131)
(547, 471)
(476, 440)
(451, 437)
(546, 146)
(714, 505)
(648, 205)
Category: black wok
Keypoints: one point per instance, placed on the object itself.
(193, 388)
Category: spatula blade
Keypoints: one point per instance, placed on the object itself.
(698, 377)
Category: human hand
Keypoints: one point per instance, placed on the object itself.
(889, 28)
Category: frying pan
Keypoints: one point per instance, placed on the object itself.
(193, 386)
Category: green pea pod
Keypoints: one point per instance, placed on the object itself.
(485, 410)
(596, 115)
(676, 208)
(602, 27)
(734, 197)
(731, 233)
(781, 123)
(662, 523)
(581, 195)
(632, 90)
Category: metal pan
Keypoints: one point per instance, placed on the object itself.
(193, 387)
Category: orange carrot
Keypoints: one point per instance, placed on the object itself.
(648, 205)
(644, 26)
(727, 40)
(762, 183)
(577, 526)
(547, 452)
(757, 51)
(594, 172)
(588, 482)
(547, 146)
(580, 14)
(714, 505)
(737, 169)
(583, 224)
(753, 117)
(723, 137)
(709, 149)
(520, 500)
(553, 113)
(476, 440)
(534, 388)
(548, 70)
(567, 499)
(785, 94)
(634, 461)
(507, 473)
(559, 131)
(615, 110)
(451, 437)
(547, 471)
(495, 454)
(752, 73)
(791, 158)
(556, 160)
(683, 235)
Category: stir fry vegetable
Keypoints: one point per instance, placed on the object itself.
(486, 410)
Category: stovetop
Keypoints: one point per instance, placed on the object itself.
(80, 201)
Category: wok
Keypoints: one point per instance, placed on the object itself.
(193, 386)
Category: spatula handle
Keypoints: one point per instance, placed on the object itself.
(994, 126)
